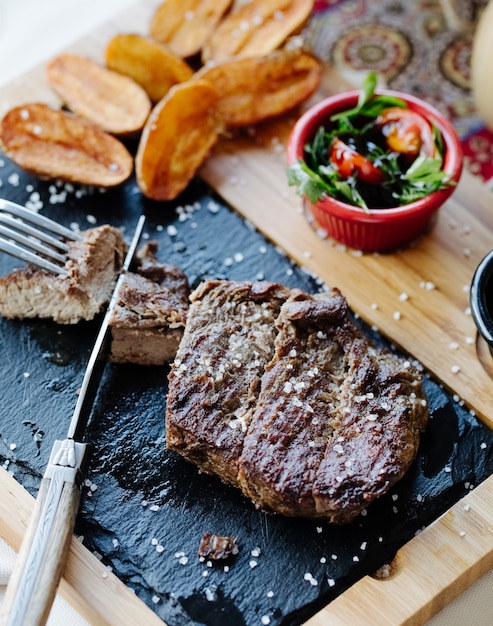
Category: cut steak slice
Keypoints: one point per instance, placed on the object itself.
(337, 421)
(93, 265)
(214, 381)
(149, 317)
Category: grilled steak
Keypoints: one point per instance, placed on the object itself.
(149, 317)
(337, 421)
(214, 381)
(92, 267)
(317, 425)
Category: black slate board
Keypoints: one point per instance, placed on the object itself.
(144, 509)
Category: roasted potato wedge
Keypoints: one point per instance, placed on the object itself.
(177, 138)
(256, 28)
(253, 89)
(114, 102)
(54, 144)
(184, 25)
(149, 63)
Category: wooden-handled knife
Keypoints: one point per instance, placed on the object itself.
(41, 559)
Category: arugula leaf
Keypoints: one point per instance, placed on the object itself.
(368, 104)
(310, 184)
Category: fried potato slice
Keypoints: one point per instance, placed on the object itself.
(254, 89)
(184, 25)
(177, 138)
(114, 102)
(256, 28)
(54, 144)
(149, 63)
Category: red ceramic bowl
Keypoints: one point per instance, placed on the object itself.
(381, 229)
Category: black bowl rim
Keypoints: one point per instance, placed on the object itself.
(481, 313)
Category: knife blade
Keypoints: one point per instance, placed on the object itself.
(41, 559)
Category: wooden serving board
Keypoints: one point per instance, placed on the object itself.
(432, 324)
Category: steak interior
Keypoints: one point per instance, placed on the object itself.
(318, 427)
(149, 316)
(92, 265)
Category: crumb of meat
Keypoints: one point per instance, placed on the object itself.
(217, 547)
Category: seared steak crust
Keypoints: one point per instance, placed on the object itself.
(150, 313)
(337, 422)
(214, 381)
(318, 424)
(92, 267)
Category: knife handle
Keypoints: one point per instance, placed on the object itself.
(41, 559)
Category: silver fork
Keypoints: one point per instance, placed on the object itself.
(34, 238)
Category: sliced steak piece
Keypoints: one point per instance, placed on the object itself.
(149, 317)
(214, 381)
(337, 421)
(93, 265)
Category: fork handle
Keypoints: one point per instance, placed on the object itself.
(41, 559)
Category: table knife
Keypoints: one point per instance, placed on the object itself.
(41, 559)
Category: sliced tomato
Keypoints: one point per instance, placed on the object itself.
(406, 132)
(350, 162)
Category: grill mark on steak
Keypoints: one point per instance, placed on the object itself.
(214, 381)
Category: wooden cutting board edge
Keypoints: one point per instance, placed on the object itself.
(459, 544)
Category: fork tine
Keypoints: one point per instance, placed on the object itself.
(29, 257)
(33, 238)
(38, 220)
(13, 228)
(33, 244)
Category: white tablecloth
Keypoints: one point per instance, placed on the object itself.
(31, 31)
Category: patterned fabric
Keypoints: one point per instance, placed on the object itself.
(421, 47)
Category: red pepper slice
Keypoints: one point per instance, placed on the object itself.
(406, 132)
(350, 162)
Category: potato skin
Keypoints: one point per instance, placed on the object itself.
(178, 136)
(108, 99)
(253, 89)
(54, 144)
(256, 28)
(185, 25)
(149, 63)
